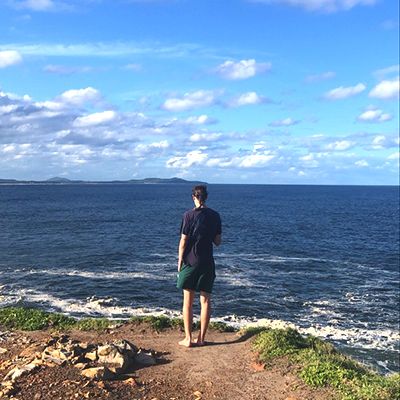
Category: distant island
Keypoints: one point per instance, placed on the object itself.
(65, 181)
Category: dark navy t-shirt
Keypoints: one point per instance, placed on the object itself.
(201, 225)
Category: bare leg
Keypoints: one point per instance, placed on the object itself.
(205, 301)
(188, 296)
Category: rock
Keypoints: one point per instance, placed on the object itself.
(7, 389)
(5, 364)
(2, 350)
(54, 356)
(80, 365)
(17, 372)
(116, 358)
(92, 355)
(32, 351)
(61, 354)
(131, 381)
(98, 373)
(103, 386)
(51, 361)
(145, 359)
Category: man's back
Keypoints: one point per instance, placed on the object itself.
(201, 225)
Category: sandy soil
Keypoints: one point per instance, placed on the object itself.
(224, 369)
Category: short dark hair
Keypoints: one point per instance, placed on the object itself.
(200, 192)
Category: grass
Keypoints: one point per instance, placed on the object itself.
(162, 322)
(31, 319)
(158, 323)
(321, 365)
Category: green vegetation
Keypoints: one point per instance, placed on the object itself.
(159, 323)
(221, 327)
(93, 324)
(31, 319)
(162, 322)
(322, 365)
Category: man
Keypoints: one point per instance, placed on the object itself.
(201, 228)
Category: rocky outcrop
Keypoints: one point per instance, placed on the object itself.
(101, 361)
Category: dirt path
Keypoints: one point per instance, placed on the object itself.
(224, 369)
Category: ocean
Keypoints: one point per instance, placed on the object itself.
(324, 259)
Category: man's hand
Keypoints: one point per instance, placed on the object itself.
(217, 240)
(181, 250)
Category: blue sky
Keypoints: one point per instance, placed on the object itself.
(239, 91)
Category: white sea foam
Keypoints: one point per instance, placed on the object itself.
(270, 257)
(234, 279)
(323, 307)
(363, 338)
(102, 275)
(92, 306)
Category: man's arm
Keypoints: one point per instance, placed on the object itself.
(217, 240)
(181, 250)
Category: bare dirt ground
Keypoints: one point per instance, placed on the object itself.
(224, 369)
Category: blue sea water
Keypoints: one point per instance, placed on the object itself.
(322, 258)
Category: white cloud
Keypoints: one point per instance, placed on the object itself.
(321, 5)
(54, 136)
(8, 148)
(245, 99)
(384, 142)
(200, 120)
(284, 122)
(152, 148)
(309, 160)
(384, 72)
(361, 163)
(80, 96)
(107, 49)
(205, 137)
(394, 156)
(66, 70)
(387, 89)
(95, 118)
(243, 69)
(133, 67)
(378, 142)
(189, 101)
(344, 92)
(255, 160)
(35, 5)
(9, 57)
(8, 108)
(340, 145)
(374, 115)
(50, 105)
(194, 157)
(320, 77)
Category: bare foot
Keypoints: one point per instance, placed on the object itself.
(185, 343)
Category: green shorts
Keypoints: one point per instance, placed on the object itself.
(200, 279)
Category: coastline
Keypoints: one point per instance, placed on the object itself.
(247, 356)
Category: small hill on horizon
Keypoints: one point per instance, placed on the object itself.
(60, 180)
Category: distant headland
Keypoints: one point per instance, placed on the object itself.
(65, 181)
